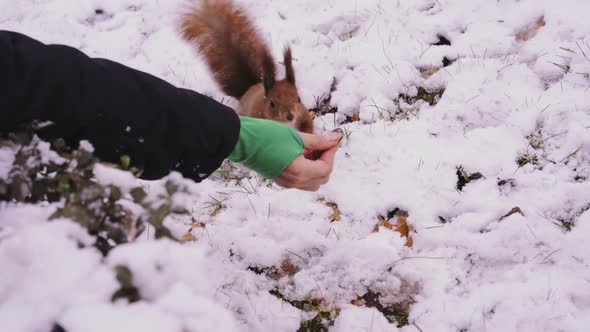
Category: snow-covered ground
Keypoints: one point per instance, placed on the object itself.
(515, 108)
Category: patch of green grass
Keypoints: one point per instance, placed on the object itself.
(231, 172)
(463, 177)
(565, 67)
(568, 225)
(526, 159)
(323, 319)
(322, 103)
(408, 105)
(216, 204)
(305, 305)
(568, 222)
(536, 140)
(396, 313)
(431, 97)
(571, 155)
(319, 323)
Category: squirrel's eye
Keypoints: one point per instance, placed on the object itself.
(272, 104)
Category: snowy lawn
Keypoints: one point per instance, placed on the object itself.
(460, 199)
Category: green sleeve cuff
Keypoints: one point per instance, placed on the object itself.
(266, 147)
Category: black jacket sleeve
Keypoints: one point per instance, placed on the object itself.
(120, 110)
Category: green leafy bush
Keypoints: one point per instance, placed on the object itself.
(68, 181)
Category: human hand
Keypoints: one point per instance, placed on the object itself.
(312, 169)
(292, 158)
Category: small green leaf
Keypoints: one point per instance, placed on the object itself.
(160, 214)
(124, 275)
(59, 145)
(138, 194)
(171, 187)
(127, 289)
(117, 235)
(63, 186)
(115, 194)
(125, 161)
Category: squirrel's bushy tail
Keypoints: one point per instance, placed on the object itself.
(230, 43)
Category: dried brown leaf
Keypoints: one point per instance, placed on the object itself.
(426, 72)
(335, 216)
(188, 237)
(359, 302)
(530, 30)
(400, 225)
(196, 224)
(512, 211)
(287, 268)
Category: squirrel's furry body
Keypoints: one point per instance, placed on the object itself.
(242, 64)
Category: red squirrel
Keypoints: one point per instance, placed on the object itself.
(242, 64)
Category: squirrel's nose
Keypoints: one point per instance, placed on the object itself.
(290, 116)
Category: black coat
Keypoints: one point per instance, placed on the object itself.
(120, 110)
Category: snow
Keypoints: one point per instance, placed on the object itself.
(360, 319)
(466, 270)
(41, 265)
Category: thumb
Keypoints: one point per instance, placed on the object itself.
(329, 156)
(321, 142)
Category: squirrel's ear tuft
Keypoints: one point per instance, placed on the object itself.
(268, 73)
(288, 59)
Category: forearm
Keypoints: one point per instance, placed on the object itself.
(121, 111)
(266, 147)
